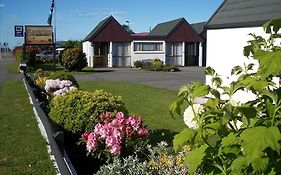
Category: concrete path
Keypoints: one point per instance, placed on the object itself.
(4, 73)
(166, 80)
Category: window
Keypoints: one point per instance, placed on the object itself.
(153, 46)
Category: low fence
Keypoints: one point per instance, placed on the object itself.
(55, 140)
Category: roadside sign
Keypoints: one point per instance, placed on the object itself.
(36, 35)
(18, 31)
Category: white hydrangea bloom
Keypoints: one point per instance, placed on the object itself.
(189, 116)
(239, 97)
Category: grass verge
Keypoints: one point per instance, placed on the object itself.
(13, 68)
(23, 150)
(149, 102)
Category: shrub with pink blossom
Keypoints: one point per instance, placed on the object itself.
(115, 135)
(58, 87)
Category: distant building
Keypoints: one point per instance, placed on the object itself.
(174, 42)
(228, 32)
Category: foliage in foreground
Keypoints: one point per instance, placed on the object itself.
(159, 160)
(115, 135)
(79, 111)
(237, 137)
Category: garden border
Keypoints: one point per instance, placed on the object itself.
(55, 150)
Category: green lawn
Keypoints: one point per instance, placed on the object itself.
(13, 68)
(149, 102)
(22, 148)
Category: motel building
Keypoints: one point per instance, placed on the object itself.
(175, 42)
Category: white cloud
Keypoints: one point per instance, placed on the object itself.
(2, 5)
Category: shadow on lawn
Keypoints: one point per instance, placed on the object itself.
(156, 136)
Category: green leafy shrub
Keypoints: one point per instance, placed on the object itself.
(79, 111)
(64, 76)
(232, 135)
(156, 62)
(131, 165)
(138, 64)
(74, 59)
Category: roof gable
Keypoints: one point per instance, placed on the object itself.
(164, 29)
(108, 30)
(244, 13)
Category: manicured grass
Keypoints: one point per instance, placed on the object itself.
(22, 148)
(149, 102)
(13, 68)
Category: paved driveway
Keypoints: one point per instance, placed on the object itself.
(167, 80)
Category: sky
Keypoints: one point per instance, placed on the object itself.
(76, 18)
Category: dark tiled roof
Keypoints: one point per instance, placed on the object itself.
(244, 13)
(198, 27)
(164, 29)
(98, 28)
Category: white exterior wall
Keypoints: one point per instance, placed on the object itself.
(200, 56)
(88, 49)
(225, 50)
(110, 58)
(145, 55)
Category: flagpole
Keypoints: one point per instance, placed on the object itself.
(55, 34)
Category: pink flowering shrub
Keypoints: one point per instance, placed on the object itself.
(115, 135)
(58, 87)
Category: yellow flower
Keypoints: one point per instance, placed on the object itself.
(186, 148)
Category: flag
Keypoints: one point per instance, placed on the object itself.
(49, 21)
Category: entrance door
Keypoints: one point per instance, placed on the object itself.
(191, 54)
(101, 55)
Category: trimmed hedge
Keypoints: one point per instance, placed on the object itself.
(79, 111)
(73, 59)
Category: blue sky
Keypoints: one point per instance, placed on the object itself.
(75, 19)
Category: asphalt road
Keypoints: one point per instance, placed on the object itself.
(166, 80)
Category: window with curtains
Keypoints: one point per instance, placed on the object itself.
(148, 46)
(174, 54)
(121, 54)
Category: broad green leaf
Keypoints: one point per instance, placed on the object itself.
(255, 140)
(199, 89)
(212, 128)
(212, 102)
(236, 70)
(274, 24)
(195, 158)
(217, 81)
(255, 83)
(213, 140)
(238, 165)
(215, 93)
(210, 71)
(184, 136)
(271, 108)
(234, 87)
(229, 140)
(260, 164)
(269, 63)
(175, 107)
(248, 112)
(272, 95)
(183, 89)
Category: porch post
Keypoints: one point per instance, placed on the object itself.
(200, 55)
(110, 58)
(183, 54)
(164, 49)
